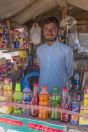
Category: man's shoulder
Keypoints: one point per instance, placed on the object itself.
(65, 46)
(41, 46)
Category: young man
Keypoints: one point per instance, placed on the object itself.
(55, 58)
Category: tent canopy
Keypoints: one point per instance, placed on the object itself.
(22, 11)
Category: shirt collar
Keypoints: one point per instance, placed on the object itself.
(55, 43)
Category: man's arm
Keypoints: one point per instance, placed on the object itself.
(69, 62)
(37, 53)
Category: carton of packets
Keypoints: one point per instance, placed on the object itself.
(83, 120)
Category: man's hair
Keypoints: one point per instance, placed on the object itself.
(50, 20)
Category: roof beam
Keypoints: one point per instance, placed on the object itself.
(62, 3)
(10, 8)
(83, 4)
(39, 7)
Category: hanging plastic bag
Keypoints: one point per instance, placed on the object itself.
(70, 25)
(35, 34)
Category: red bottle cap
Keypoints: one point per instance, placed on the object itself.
(64, 89)
(44, 88)
(35, 85)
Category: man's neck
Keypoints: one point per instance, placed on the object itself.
(50, 43)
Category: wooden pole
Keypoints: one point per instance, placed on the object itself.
(64, 12)
(9, 31)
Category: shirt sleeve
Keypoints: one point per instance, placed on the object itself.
(69, 62)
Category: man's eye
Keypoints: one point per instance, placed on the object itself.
(52, 29)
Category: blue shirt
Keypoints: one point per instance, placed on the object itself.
(56, 65)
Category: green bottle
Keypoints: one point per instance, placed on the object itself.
(55, 102)
(55, 98)
(54, 115)
(17, 97)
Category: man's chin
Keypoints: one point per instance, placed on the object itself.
(51, 39)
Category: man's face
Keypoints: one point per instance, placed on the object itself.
(50, 31)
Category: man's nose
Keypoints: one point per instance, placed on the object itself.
(49, 30)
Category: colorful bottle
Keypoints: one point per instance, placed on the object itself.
(34, 101)
(8, 87)
(43, 97)
(54, 115)
(55, 98)
(43, 114)
(65, 105)
(64, 96)
(74, 117)
(26, 95)
(54, 103)
(17, 97)
(65, 117)
(43, 101)
(76, 80)
(6, 95)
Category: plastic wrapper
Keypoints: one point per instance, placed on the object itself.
(35, 34)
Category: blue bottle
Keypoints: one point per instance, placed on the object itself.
(74, 117)
(76, 80)
(26, 95)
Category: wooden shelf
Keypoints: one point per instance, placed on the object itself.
(33, 67)
(4, 48)
(13, 50)
(83, 70)
(80, 56)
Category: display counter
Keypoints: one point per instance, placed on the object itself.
(24, 123)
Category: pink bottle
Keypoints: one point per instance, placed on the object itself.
(34, 100)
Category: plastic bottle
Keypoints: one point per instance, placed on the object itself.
(65, 105)
(17, 97)
(43, 114)
(43, 97)
(65, 117)
(26, 95)
(6, 95)
(43, 101)
(64, 96)
(74, 117)
(55, 98)
(34, 100)
(76, 80)
(7, 87)
(55, 102)
(54, 115)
